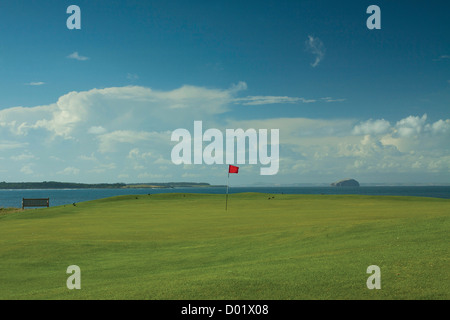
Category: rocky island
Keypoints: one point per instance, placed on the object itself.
(346, 183)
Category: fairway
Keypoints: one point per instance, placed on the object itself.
(265, 246)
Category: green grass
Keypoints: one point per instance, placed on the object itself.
(186, 246)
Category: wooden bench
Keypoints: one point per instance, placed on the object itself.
(43, 202)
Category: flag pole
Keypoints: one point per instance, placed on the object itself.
(228, 182)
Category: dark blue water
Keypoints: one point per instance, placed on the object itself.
(13, 198)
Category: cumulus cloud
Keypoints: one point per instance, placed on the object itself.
(118, 108)
(318, 147)
(315, 46)
(439, 126)
(411, 126)
(103, 134)
(89, 127)
(380, 126)
(19, 120)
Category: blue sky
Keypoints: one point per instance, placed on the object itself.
(99, 104)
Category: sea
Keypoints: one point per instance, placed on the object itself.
(12, 198)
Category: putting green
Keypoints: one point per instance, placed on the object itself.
(186, 246)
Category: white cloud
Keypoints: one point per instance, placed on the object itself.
(101, 134)
(23, 156)
(317, 147)
(38, 83)
(137, 154)
(69, 171)
(329, 99)
(27, 169)
(439, 126)
(101, 125)
(76, 56)
(96, 130)
(164, 161)
(77, 111)
(19, 120)
(316, 47)
(411, 126)
(7, 145)
(240, 86)
(109, 141)
(291, 129)
(259, 100)
(376, 127)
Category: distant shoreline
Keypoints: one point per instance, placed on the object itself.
(70, 185)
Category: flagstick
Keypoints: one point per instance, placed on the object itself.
(228, 182)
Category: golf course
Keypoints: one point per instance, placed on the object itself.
(263, 247)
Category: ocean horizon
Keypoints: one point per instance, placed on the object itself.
(13, 197)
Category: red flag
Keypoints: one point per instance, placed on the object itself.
(233, 169)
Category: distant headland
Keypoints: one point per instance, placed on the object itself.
(71, 185)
